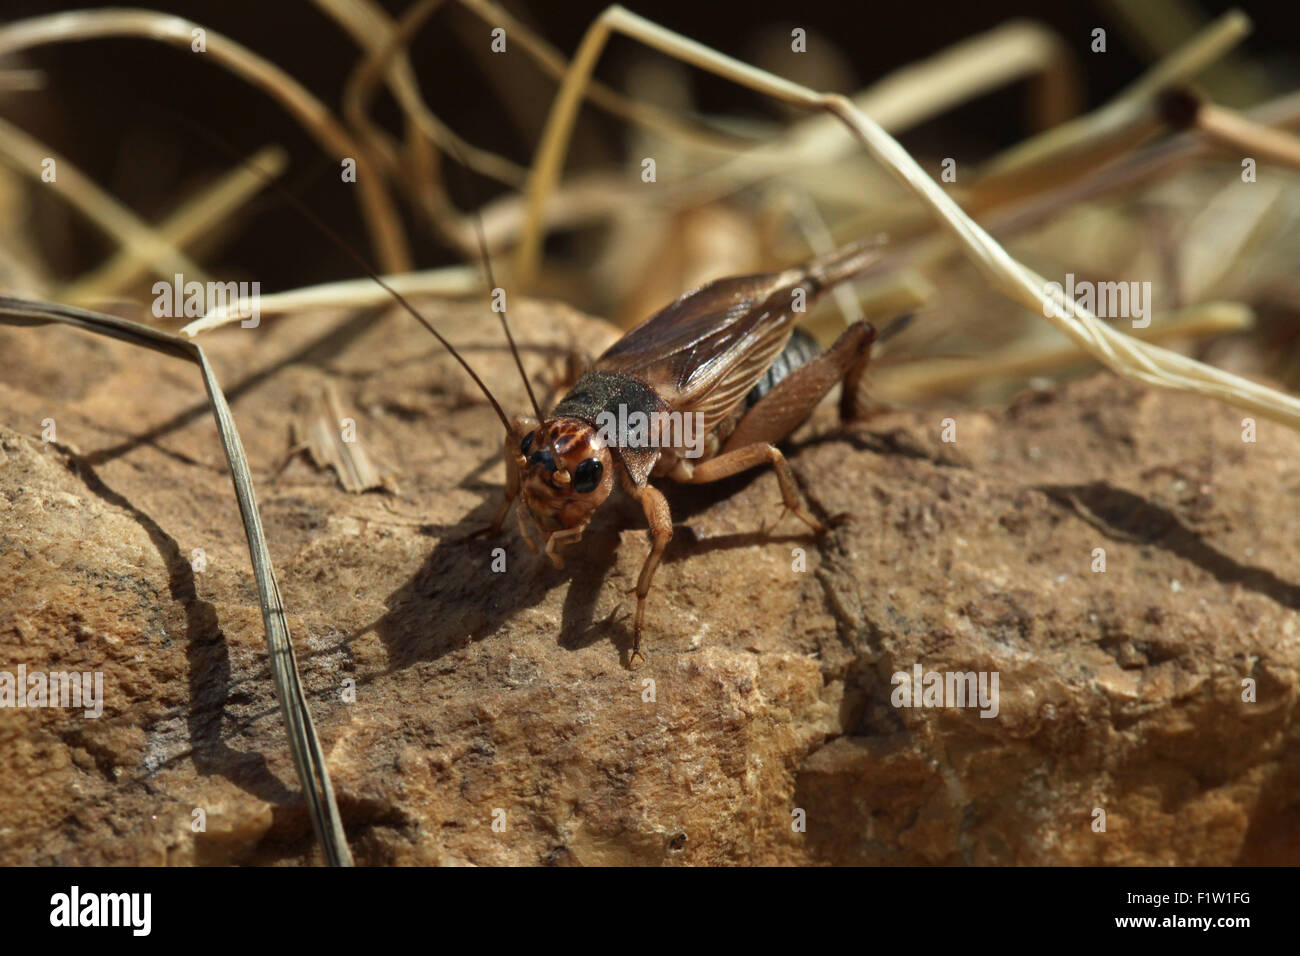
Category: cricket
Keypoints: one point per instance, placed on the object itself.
(725, 353)
(896, 422)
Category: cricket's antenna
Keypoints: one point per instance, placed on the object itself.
(343, 245)
(505, 325)
(561, 474)
(401, 300)
(360, 260)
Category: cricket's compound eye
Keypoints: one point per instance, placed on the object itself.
(587, 475)
(526, 445)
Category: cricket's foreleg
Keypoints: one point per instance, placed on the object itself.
(561, 538)
(499, 519)
(511, 491)
(525, 532)
(510, 451)
(661, 531)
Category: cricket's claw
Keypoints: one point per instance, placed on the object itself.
(768, 528)
(817, 527)
(556, 561)
(636, 657)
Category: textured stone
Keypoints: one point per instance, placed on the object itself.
(478, 692)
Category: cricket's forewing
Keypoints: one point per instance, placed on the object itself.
(705, 351)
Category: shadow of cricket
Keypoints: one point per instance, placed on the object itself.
(457, 598)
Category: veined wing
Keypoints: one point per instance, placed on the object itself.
(705, 351)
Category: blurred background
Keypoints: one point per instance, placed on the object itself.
(160, 129)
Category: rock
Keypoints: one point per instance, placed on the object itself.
(473, 717)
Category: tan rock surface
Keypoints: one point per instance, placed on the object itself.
(478, 692)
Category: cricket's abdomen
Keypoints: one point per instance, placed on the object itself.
(801, 348)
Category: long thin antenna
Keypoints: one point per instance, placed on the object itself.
(492, 284)
(356, 257)
(401, 300)
(561, 473)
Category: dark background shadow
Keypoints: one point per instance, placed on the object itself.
(1120, 513)
(143, 157)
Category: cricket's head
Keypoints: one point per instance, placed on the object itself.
(583, 458)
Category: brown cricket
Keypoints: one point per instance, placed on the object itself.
(727, 353)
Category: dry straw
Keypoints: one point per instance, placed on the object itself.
(376, 205)
(1122, 354)
(303, 743)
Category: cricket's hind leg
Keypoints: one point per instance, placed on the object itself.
(797, 381)
(852, 398)
(785, 405)
(791, 398)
